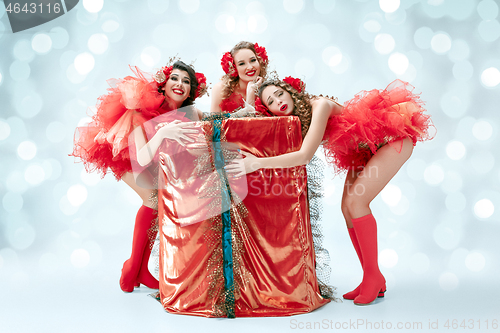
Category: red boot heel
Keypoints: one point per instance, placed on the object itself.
(353, 294)
(381, 293)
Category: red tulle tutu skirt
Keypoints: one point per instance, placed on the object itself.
(372, 119)
(103, 144)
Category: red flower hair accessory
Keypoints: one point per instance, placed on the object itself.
(261, 108)
(261, 53)
(227, 63)
(296, 84)
(162, 75)
(202, 85)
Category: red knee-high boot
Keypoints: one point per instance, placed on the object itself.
(373, 281)
(134, 270)
(354, 240)
(353, 294)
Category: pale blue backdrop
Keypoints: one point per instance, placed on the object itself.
(64, 234)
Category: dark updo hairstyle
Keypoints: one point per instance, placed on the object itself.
(301, 102)
(192, 79)
(229, 81)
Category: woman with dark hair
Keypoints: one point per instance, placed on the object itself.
(370, 137)
(104, 144)
(245, 67)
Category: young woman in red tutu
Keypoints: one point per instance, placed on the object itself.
(245, 67)
(104, 145)
(370, 137)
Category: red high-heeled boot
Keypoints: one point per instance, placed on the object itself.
(135, 268)
(373, 281)
(353, 294)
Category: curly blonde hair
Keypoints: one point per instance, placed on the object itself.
(229, 82)
(302, 106)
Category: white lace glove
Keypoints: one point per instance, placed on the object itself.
(247, 111)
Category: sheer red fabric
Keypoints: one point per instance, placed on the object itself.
(103, 143)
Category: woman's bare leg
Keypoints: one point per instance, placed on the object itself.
(379, 170)
(349, 181)
(144, 192)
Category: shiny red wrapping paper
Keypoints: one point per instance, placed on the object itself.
(272, 247)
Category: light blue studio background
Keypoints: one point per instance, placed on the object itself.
(64, 234)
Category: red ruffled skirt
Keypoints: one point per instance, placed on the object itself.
(103, 144)
(372, 119)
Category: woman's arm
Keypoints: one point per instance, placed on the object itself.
(336, 107)
(251, 87)
(176, 130)
(322, 109)
(216, 97)
(198, 112)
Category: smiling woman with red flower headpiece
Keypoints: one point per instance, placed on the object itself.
(245, 67)
(125, 111)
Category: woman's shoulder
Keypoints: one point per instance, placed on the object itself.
(218, 86)
(326, 105)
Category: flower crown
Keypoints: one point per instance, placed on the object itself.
(163, 74)
(229, 67)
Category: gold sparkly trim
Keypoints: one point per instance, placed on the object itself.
(222, 300)
(160, 77)
(202, 90)
(153, 198)
(153, 231)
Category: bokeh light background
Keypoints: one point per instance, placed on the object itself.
(64, 234)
